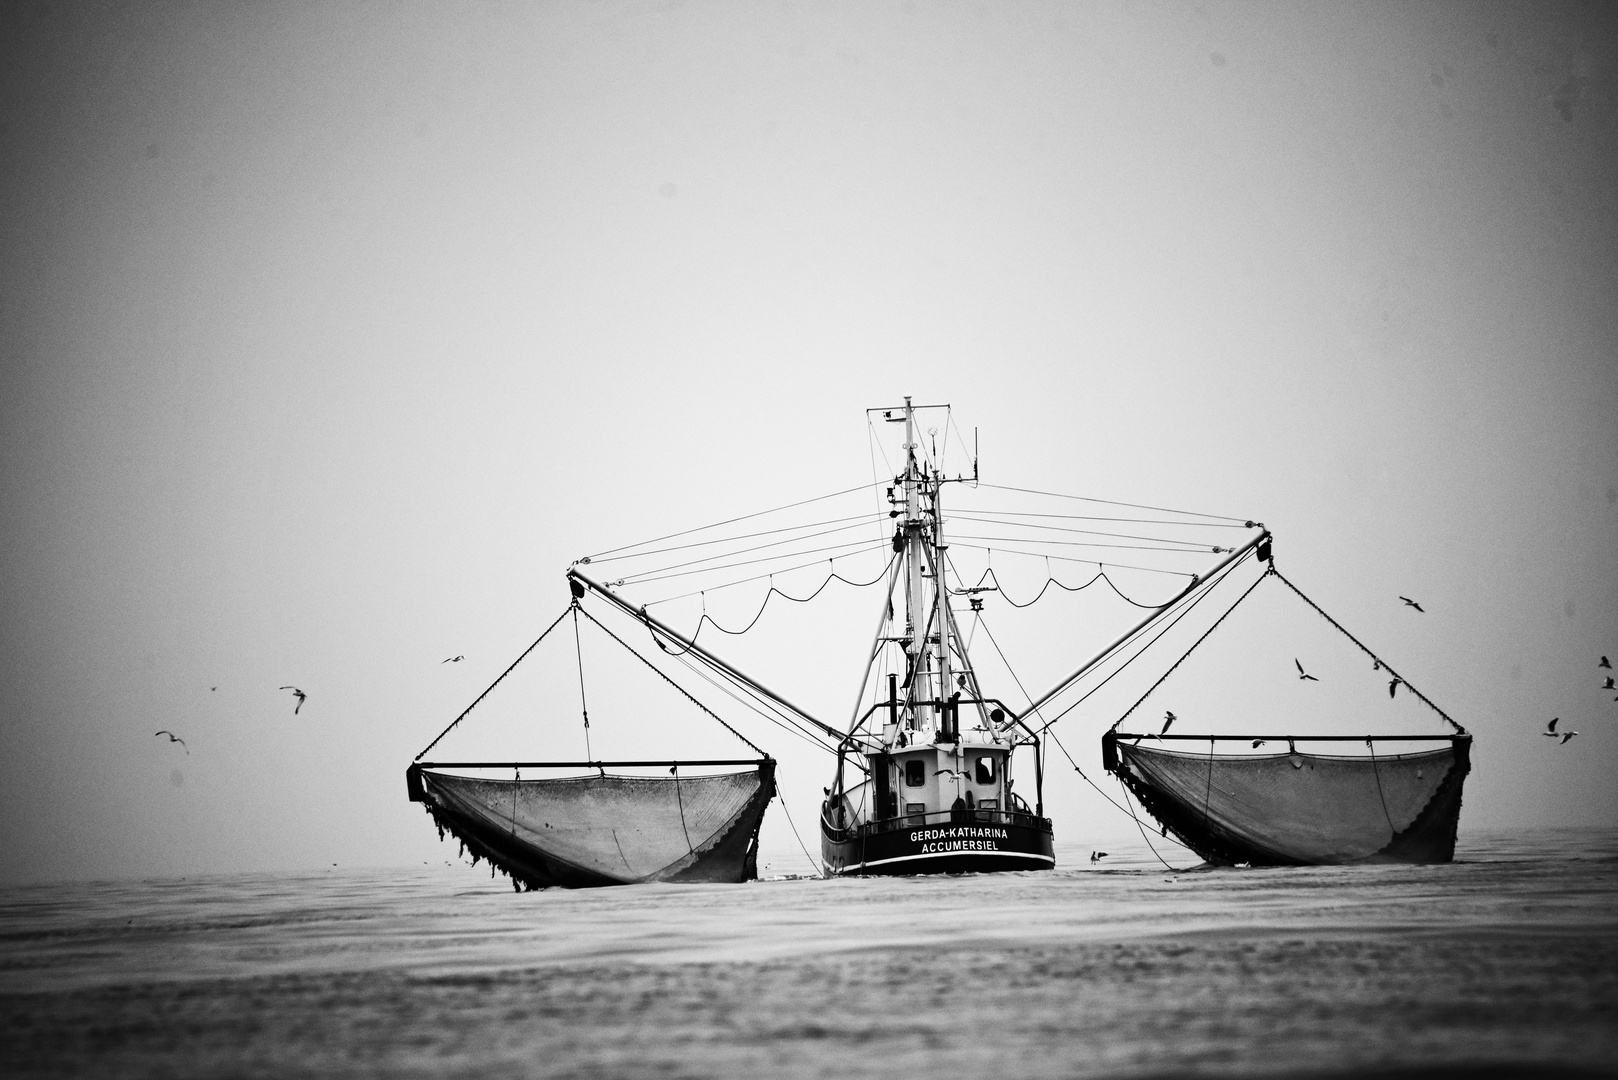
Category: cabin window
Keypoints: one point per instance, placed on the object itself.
(915, 773)
(988, 804)
(985, 770)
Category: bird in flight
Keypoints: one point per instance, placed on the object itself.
(1302, 674)
(1257, 743)
(1393, 685)
(1412, 603)
(452, 660)
(174, 738)
(1608, 684)
(1604, 663)
(1550, 728)
(1566, 735)
(1168, 719)
(1097, 856)
(211, 689)
(299, 694)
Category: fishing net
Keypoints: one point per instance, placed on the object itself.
(605, 830)
(1300, 808)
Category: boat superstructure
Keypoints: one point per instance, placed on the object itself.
(924, 779)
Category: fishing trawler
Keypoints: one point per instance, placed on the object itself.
(926, 768)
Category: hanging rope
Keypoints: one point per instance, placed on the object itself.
(674, 770)
(1194, 645)
(1459, 730)
(1125, 789)
(492, 685)
(1376, 772)
(578, 651)
(819, 868)
(772, 591)
(674, 684)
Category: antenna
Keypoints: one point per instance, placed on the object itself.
(974, 453)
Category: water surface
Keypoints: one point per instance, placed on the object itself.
(1506, 959)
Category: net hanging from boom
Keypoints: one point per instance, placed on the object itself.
(1298, 808)
(605, 829)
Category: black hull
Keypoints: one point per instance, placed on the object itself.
(988, 843)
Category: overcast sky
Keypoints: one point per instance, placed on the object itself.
(332, 333)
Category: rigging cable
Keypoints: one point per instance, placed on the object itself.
(983, 518)
(641, 579)
(772, 574)
(492, 685)
(773, 715)
(1458, 728)
(1207, 589)
(732, 539)
(773, 591)
(1023, 690)
(955, 542)
(1111, 502)
(718, 524)
(670, 681)
(660, 573)
(1196, 643)
(1050, 579)
(821, 869)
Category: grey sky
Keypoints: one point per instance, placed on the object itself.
(332, 333)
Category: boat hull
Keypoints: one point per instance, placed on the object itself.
(972, 843)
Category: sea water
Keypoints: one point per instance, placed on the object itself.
(1504, 962)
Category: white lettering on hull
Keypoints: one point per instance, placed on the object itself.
(959, 845)
(958, 833)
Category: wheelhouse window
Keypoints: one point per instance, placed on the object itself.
(915, 773)
(984, 770)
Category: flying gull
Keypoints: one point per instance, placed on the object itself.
(1412, 603)
(1302, 674)
(1168, 719)
(174, 738)
(1393, 686)
(299, 694)
(1550, 728)
(452, 660)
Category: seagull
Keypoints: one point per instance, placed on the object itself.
(452, 660)
(1604, 663)
(1097, 856)
(1302, 674)
(1566, 735)
(1550, 728)
(211, 689)
(952, 772)
(1608, 684)
(174, 738)
(1412, 603)
(1168, 719)
(1257, 743)
(299, 694)
(1393, 686)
